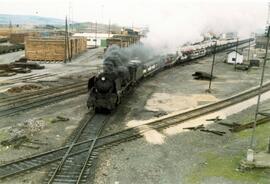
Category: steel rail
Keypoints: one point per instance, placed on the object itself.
(72, 167)
(36, 94)
(42, 101)
(69, 150)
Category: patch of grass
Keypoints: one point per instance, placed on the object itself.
(261, 136)
(225, 167)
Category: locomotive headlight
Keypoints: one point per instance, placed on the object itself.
(103, 78)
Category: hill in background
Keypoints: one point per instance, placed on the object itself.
(5, 19)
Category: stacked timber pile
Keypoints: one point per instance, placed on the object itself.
(19, 38)
(5, 32)
(19, 66)
(3, 39)
(77, 45)
(53, 48)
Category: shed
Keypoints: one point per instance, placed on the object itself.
(235, 57)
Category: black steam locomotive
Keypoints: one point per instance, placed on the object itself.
(107, 88)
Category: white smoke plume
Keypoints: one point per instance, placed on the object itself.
(174, 22)
(178, 22)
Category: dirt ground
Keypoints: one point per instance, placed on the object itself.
(155, 158)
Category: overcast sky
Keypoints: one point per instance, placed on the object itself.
(128, 11)
(167, 19)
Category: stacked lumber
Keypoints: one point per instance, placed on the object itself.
(3, 39)
(19, 38)
(4, 32)
(16, 38)
(53, 48)
(77, 45)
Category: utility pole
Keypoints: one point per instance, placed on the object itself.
(260, 91)
(96, 36)
(10, 27)
(65, 55)
(212, 67)
(109, 33)
(236, 54)
(248, 50)
(68, 50)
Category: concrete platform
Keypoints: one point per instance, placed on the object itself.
(261, 160)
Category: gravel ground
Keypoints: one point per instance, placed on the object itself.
(54, 134)
(131, 162)
(176, 156)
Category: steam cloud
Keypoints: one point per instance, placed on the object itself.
(176, 23)
(116, 56)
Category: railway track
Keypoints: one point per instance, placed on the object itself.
(82, 146)
(71, 165)
(26, 78)
(74, 168)
(18, 103)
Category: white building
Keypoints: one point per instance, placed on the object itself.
(95, 39)
(235, 57)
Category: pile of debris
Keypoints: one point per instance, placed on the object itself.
(27, 87)
(202, 76)
(243, 67)
(202, 128)
(3, 39)
(28, 127)
(20, 135)
(4, 73)
(19, 66)
(59, 118)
